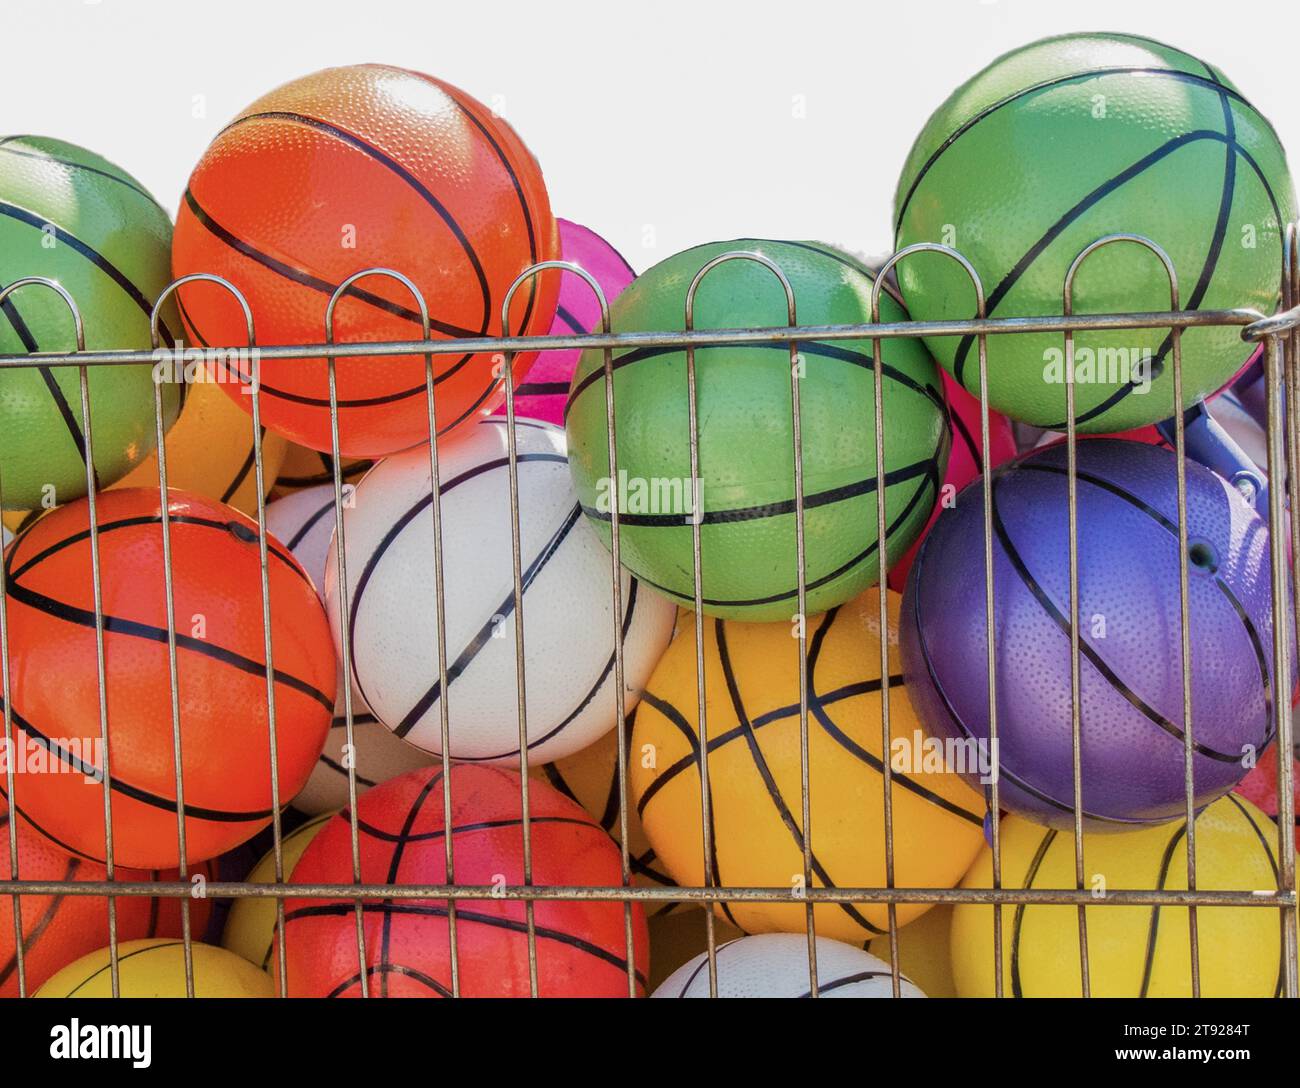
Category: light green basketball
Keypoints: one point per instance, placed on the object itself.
(746, 449)
(69, 215)
(1049, 149)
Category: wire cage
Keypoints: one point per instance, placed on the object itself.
(1279, 335)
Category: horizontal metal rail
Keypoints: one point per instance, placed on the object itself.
(1066, 896)
(1247, 319)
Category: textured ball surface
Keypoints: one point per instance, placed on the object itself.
(304, 520)
(746, 447)
(1062, 142)
(360, 167)
(1259, 787)
(304, 467)
(543, 393)
(965, 463)
(70, 215)
(1132, 951)
(776, 965)
(220, 661)
(59, 928)
(250, 927)
(924, 951)
(581, 946)
(590, 777)
(568, 612)
(752, 709)
(156, 968)
(210, 452)
(1130, 674)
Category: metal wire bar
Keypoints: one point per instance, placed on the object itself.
(1185, 638)
(444, 683)
(877, 351)
(1257, 324)
(1286, 816)
(801, 575)
(1271, 898)
(344, 608)
(882, 618)
(616, 611)
(1282, 602)
(169, 607)
(1076, 700)
(11, 813)
(345, 613)
(517, 572)
(92, 485)
(697, 575)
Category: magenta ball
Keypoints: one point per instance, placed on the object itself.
(542, 393)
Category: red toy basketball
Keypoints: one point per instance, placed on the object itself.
(58, 929)
(354, 168)
(581, 946)
(1260, 786)
(220, 657)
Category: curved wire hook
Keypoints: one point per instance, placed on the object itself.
(1264, 327)
(877, 352)
(564, 266)
(739, 255)
(196, 277)
(342, 568)
(389, 273)
(616, 591)
(926, 247)
(1137, 239)
(706, 808)
(1074, 619)
(58, 288)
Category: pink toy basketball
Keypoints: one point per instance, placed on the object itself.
(542, 393)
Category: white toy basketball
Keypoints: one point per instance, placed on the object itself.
(776, 965)
(304, 522)
(568, 600)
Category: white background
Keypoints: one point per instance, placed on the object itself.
(659, 124)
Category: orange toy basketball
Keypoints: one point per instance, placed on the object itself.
(354, 168)
(581, 946)
(58, 929)
(220, 658)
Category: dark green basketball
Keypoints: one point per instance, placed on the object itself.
(746, 451)
(69, 215)
(1056, 145)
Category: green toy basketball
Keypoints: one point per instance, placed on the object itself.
(69, 215)
(746, 488)
(1056, 145)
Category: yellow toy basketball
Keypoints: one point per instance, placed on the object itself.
(590, 777)
(924, 951)
(1132, 951)
(250, 926)
(155, 967)
(210, 450)
(752, 689)
(304, 467)
(14, 521)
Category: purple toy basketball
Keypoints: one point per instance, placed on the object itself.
(542, 393)
(1130, 676)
